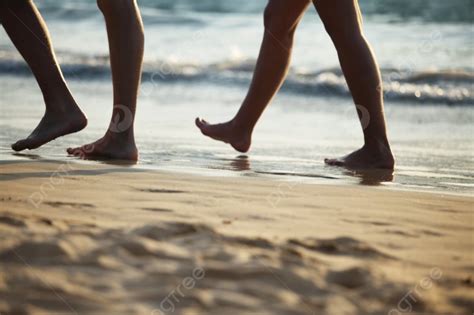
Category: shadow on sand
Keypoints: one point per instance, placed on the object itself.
(64, 167)
(240, 163)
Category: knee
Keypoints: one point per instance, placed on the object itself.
(14, 4)
(344, 35)
(277, 21)
(115, 6)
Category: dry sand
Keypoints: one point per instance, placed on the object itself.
(102, 239)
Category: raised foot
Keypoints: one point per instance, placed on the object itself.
(109, 147)
(366, 159)
(52, 126)
(228, 133)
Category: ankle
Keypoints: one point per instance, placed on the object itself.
(378, 145)
(60, 105)
(125, 137)
(241, 128)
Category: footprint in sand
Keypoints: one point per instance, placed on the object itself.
(351, 278)
(9, 220)
(69, 204)
(37, 251)
(346, 246)
(157, 209)
(162, 191)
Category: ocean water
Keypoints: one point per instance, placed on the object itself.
(199, 60)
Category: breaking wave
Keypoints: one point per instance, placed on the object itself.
(452, 87)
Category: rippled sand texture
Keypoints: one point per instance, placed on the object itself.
(81, 239)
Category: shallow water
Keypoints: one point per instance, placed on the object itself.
(199, 60)
(433, 144)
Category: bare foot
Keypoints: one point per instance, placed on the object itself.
(52, 126)
(228, 133)
(110, 147)
(366, 158)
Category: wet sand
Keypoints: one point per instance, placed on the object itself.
(103, 239)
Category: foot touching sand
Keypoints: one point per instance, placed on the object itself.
(239, 139)
(110, 147)
(365, 158)
(163, 243)
(52, 126)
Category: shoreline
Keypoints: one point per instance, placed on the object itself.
(172, 142)
(374, 179)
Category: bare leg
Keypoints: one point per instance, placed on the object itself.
(29, 33)
(281, 19)
(126, 42)
(343, 22)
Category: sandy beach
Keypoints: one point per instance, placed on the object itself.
(106, 239)
(198, 228)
